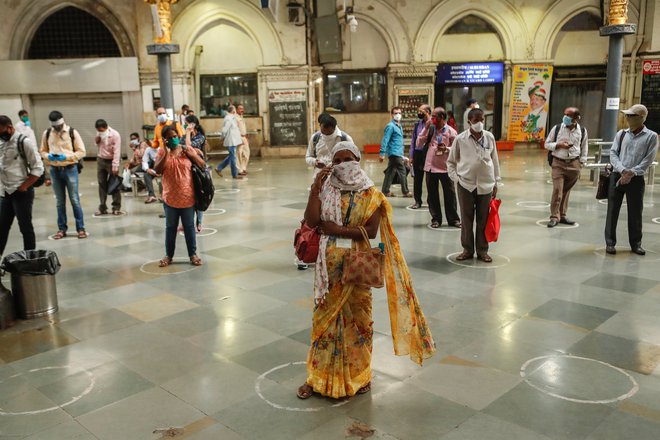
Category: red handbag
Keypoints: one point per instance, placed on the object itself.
(306, 242)
(493, 223)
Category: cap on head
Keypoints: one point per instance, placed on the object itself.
(638, 110)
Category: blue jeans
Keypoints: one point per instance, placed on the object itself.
(230, 160)
(187, 216)
(66, 179)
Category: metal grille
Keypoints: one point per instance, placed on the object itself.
(72, 33)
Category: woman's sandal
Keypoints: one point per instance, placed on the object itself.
(195, 260)
(59, 235)
(164, 262)
(365, 389)
(82, 234)
(305, 392)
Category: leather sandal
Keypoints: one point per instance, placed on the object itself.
(305, 391)
(82, 234)
(195, 260)
(59, 235)
(465, 255)
(165, 261)
(365, 389)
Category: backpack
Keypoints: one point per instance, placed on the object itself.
(21, 151)
(204, 188)
(317, 137)
(79, 165)
(556, 129)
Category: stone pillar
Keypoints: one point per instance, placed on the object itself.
(164, 52)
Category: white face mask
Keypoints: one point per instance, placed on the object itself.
(162, 118)
(477, 127)
(347, 173)
(135, 142)
(397, 117)
(102, 134)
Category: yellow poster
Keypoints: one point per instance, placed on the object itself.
(530, 95)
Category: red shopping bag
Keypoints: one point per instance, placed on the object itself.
(493, 224)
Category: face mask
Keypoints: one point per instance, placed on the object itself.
(567, 120)
(397, 117)
(162, 118)
(58, 128)
(347, 172)
(477, 127)
(634, 122)
(434, 120)
(135, 142)
(5, 136)
(173, 143)
(102, 134)
(476, 106)
(420, 115)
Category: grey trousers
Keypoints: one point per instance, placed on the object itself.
(472, 203)
(103, 173)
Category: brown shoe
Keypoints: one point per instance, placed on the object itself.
(465, 255)
(485, 258)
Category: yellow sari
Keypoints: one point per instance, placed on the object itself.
(339, 359)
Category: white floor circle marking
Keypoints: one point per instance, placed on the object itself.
(632, 392)
(532, 204)
(257, 388)
(174, 262)
(444, 228)
(109, 215)
(72, 236)
(424, 208)
(92, 383)
(209, 231)
(227, 191)
(656, 220)
(215, 211)
(471, 263)
(646, 205)
(544, 223)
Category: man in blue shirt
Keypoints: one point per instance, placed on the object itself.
(392, 147)
(631, 154)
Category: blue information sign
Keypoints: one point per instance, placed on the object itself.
(470, 73)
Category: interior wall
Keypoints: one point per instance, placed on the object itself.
(368, 48)
(482, 47)
(227, 49)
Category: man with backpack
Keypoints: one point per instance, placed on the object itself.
(20, 168)
(63, 149)
(323, 141)
(567, 144)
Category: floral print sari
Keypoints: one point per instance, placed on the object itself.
(339, 359)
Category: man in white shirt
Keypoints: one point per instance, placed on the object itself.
(323, 141)
(474, 166)
(20, 167)
(243, 150)
(569, 145)
(232, 139)
(23, 126)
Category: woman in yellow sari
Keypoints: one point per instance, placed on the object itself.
(342, 199)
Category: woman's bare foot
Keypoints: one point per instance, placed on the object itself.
(305, 391)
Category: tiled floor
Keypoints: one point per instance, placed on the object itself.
(136, 349)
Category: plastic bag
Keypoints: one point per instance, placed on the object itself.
(126, 178)
(493, 223)
(32, 262)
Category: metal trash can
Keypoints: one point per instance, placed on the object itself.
(33, 282)
(7, 314)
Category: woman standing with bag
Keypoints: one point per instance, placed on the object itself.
(174, 163)
(345, 204)
(196, 138)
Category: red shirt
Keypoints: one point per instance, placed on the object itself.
(178, 190)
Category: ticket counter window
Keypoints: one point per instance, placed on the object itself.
(356, 92)
(221, 91)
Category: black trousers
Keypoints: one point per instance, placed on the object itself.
(448, 194)
(634, 192)
(418, 179)
(395, 165)
(103, 173)
(19, 205)
(474, 204)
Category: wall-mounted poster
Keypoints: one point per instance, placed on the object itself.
(651, 92)
(530, 94)
(287, 111)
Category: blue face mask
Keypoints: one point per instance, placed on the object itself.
(567, 120)
(172, 143)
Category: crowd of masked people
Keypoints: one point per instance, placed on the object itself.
(57, 160)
